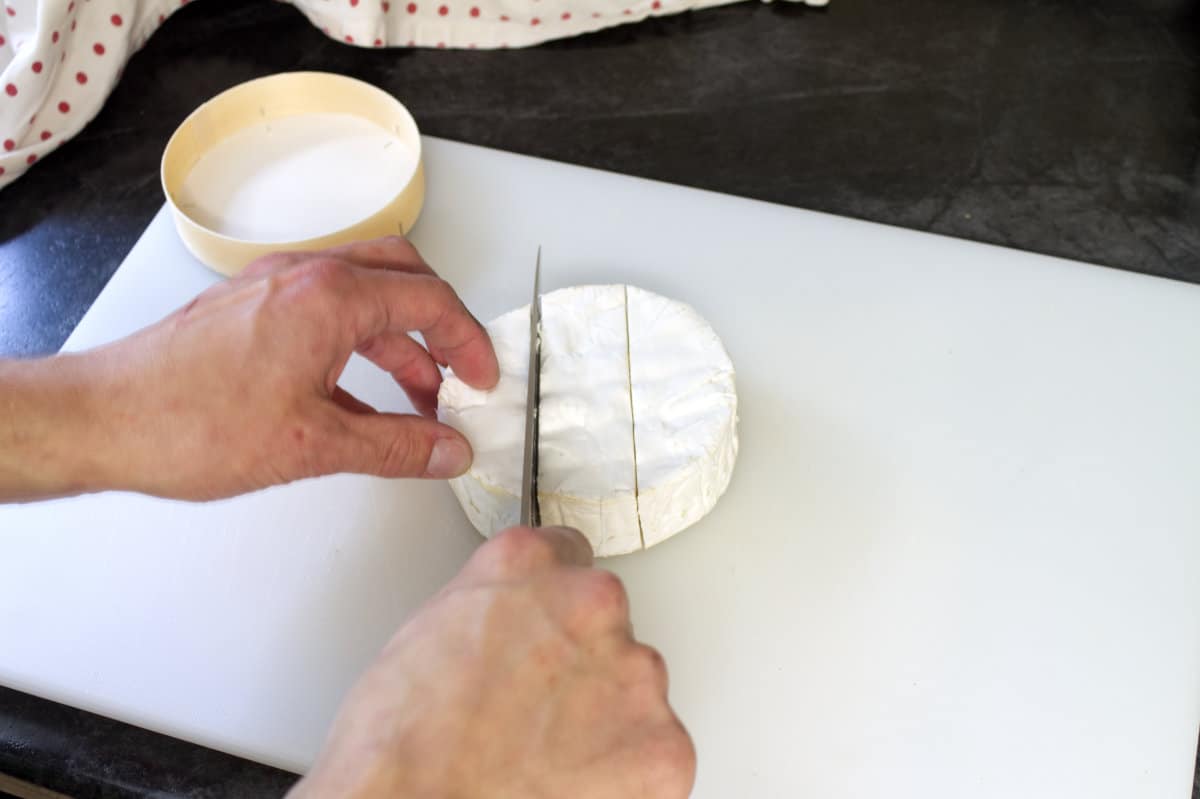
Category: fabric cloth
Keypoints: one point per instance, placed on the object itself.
(59, 59)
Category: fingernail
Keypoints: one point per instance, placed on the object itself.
(450, 458)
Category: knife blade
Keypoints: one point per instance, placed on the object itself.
(531, 514)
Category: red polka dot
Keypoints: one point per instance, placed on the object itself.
(36, 66)
(1, 170)
(474, 11)
(504, 17)
(98, 48)
(379, 42)
(72, 24)
(71, 7)
(116, 20)
(81, 77)
(386, 6)
(54, 37)
(349, 40)
(11, 90)
(2, 40)
(162, 18)
(441, 45)
(656, 5)
(32, 157)
(11, 13)
(471, 46)
(411, 43)
(353, 3)
(595, 15)
(535, 21)
(566, 15)
(9, 144)
(411, 8)
(46, 134)
(443, 11)
(627, 11)
(64, 107)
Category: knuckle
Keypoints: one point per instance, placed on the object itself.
(606, 596)
(272, 287)
(443, 293)
(274, 283)
(401, 455)
(670, 760)
(609, 593)
(679, 757)
(519, 548)
(267, 263)
(398, 244)
(647, 665)
(322, 276)
(394, 249)
(415, 367)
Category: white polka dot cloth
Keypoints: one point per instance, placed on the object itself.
(59, 59)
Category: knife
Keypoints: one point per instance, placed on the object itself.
(531, 513)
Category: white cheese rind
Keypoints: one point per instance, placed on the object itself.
(684, 413)
(585, 443)
(625, 373)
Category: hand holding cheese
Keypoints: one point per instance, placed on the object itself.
(519, 679)
(238, 390)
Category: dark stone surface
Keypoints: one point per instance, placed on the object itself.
(90, 757)
(1067, 127)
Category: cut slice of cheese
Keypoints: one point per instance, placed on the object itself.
(684, 413)
(585, 453)
(637, 419)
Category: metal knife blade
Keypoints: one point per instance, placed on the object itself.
(531, 514)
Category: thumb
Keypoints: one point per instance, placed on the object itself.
(401, 445)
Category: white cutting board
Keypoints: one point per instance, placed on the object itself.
(960, 555)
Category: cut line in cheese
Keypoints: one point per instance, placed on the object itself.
(638, 418)
(633, 423)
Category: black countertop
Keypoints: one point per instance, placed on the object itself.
(1064, 127)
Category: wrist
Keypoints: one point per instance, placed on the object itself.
(353, 766)
(51, 428)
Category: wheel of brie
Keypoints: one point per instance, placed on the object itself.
(638, 418)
